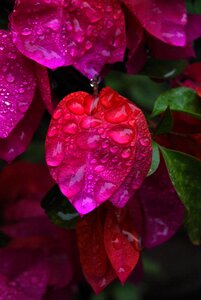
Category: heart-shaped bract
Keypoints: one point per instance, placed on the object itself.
(98, 149)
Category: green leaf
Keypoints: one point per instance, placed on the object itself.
(166, 123)
(178, 99)
(155, 159)
(194, 6)
(59, 209)
(185, 174)
(163, 69)
(138, 88)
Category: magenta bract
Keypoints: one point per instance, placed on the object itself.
(85, 34)
(17, 84)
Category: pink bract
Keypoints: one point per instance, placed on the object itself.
(98, 153)
(23, 86)
(20, 137)
(165, 20)
(17, 84)
(85, 34)
(159, 208)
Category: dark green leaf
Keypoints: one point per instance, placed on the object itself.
(185, 174)
(163, 69)
(59, 209)
(179, 99)
(138, 88)
(155, 158)
(193, 6)
(166, 123)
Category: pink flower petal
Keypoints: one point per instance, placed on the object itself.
(85, 34)
(121, 243)
(91, 154)
(7, 291)
(17, 84)
(18, 140)
(163, 211)
(165, 20)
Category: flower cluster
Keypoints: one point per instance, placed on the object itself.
(122, 169)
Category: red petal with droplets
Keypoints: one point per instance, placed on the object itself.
(165, 20)
(121, 243)
(95, 264)
(97, 154)
(85, 34)
(19, 139)
(17, 84)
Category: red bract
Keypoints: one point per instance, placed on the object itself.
(95, 263)
(192, 77)
(121, 242)
(85, 34)
(98, 151)
(108, 242)
(38, 255)
(19, 79)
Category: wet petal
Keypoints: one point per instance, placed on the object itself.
(17, 84)
(19, 139)
(91, 154)
(95, 264)
(121, 243)
(162, 209)
(165, 20)
(85, 34)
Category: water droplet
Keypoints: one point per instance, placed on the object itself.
(57, 114)
(99, 168)
(75, 107)
(71, 128)
(26, 31)
(116, 241)
(126, 153)
(10, 78)
(121, 134)
(144, 142)
(55, 154)
(117, 115)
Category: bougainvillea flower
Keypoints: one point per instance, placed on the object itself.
(20, 82)
(98, 151)
(112, 238)
(107, 240)
(90, 34)
(38, 255)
